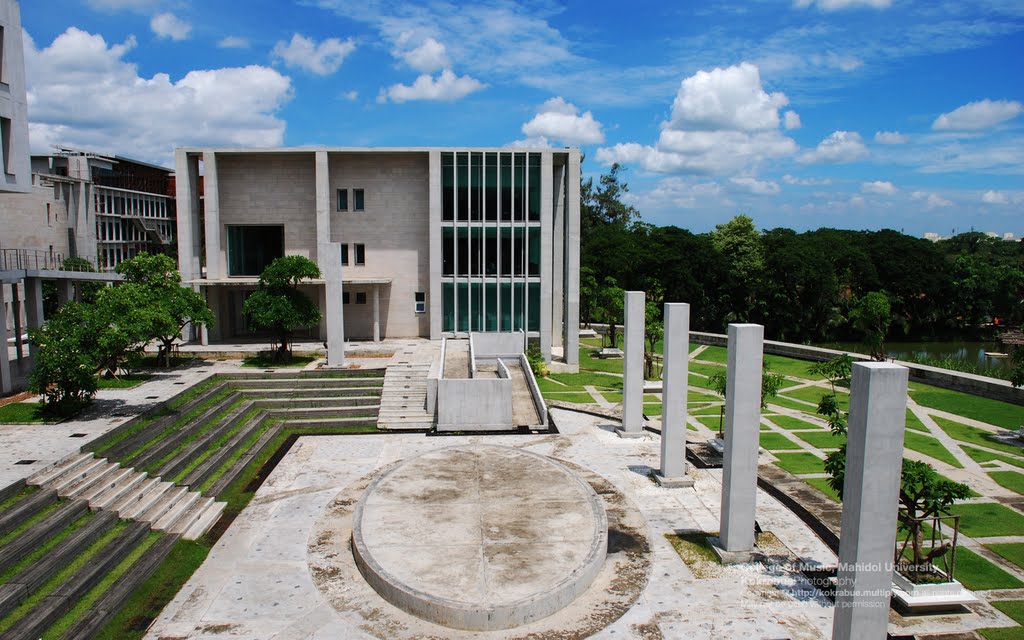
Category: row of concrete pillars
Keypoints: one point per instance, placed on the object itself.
(874, 453)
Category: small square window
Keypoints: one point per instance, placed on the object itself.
(357, 200)
(421, 302)
(344, 254)
(360, 297)
(344, 297)
(360, 254)
(342, 199)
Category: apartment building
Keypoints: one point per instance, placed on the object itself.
(412, 242)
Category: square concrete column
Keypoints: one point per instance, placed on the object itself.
(6, 383)
(19, 329)
(215, 262)
(571, 300)
(330, 268)
(633, 380)
(675, 379)
(376, 313)
(65, 292)
(742, 440)
(874, 465)
(33, 302)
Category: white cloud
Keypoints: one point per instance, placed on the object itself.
(856, 201)
(233, 42)
(560, 120)
(792, 120)
(83, 93)
(805, 182)
(982, 114)
(429, 55)
(995, 197)
(838, 5)
(730, 98)
(755, 186)
(839, 146)
(168, 25)
(351, 96)
(539, 142)
(447, 87)
(879, 187)
(321, 59)
(682, 193)
(931, 200)
(891, 137)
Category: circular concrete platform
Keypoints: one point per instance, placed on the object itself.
(480, 537)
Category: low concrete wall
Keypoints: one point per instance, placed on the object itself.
(992, 388)
(531, 381)
(487, 346)
(478, 405)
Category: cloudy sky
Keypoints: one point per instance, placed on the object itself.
(860, 114)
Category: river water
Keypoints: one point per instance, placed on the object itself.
(971, 352)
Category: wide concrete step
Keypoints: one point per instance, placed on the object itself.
(310, 412)
(159, 449)
(142, 499)
(191, 516)
(120, 475)
(205, 521)
(304, 382)
(347, 401)
(300, 423)
(178, 509)
(55, 472)
(118, 490)
(206, 468)
(97, 475)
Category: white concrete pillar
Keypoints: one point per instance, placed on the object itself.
(434, 241)
(633, 379)
(742, 435)
(33, 305)
(675, 379)
(215, 261)
(546, 273)
(376, 313)
(874, 465)
(330, 268)
(572, 260)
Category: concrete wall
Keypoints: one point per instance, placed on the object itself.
(487, 346)
(481, 404)
(35, 221)
(394, 226)
(983, 386)
(13, 103)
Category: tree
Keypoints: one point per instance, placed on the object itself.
(279, 305)
(610, 298)
(65, 365)
(654, 331)
(123, 318)
(872, 315)
(771, 382)
(739, 245)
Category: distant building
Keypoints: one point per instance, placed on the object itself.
(16, 176)
(426, 242)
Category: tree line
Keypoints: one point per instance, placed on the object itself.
(815, 286)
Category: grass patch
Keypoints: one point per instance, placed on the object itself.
(913, 422)
(1014, 609)
(1001, 414)
(790, 423)
(791, 367)
(696, 553)
(974, 435)
(790, 403)
(930, 447)
(83, 605)
(570, 396)
(154, 466)
(31, 520)
(705, 370)
(263, 361)
(711, 422)
(1012, 551)
(1002, 633)
(801, 462)
(813, 395)
(777, 442)
(988, 519)
(146, 603)
(576, 381)
(1009, 480)
(987, 456)
(821, 439)
(129, 381)
(212, 447)
(978, 574)
(177, 424)
(42, 549)
(714, 354)
(25, 413)
(821, 484)
(652, 408)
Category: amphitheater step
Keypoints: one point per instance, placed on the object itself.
(161, 448)
(58, 470)
(100, 489)
(204, 521)
(12, 518)
(142, 499)
(209, 466)
(182, 503)
(40, 532)
(98, 474)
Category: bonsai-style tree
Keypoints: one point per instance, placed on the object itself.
(65, 360)
(771, 382)
(278, 305)
(172, 306)
(654, 331)
(924, 494)
(872, 315)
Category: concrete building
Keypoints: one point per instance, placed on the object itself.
(16, 176)
(426, 242)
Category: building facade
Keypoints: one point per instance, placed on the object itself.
(420, 242)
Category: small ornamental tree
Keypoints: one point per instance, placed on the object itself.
(278, 305)
(654, 331)
(872, 315)
(610, 298)
(771, 382)
(65, 360)
(123, 317)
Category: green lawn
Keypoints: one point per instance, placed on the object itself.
(801, 462)
(576, 381)
(1009, 480)
(711, 422)
(123, 382)
(821, 484)
(777, 442)
(789, 422)
(1014, 609)
(986, 456)
(913, 422)
(790, 403)
(821, 439)
(929, 446)
(813, 395)
(714, 354)
(988, 519)
(1002, 414)
(24, 413)
(704, 369)
(1012, 551)
(268, 362)
(967, 433)
(569, 396)
(978, 574)
(652, 408)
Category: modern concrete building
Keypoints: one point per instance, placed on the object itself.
(16, 176)
(426, 242)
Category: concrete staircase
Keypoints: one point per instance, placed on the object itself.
(404, 397)
(105, 486)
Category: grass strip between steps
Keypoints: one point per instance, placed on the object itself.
(81, 608)
(192, 437)
(166, 410)
(234, 457)
(27, 491)
(215, 445)
(62, 576)
(177, 424)
(31, 520)
(41, 550)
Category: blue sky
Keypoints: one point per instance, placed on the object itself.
(860, 114)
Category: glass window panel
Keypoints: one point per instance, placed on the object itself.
(447, 187)
(506, 186)
(462, 303)
(447, 306)
(447, 251)
(462, 251)
(462, 185)
(533, 291)
(519, 307)
(506, 306)
(506, 252)
(534, 177)
(476, 297)
(360, 254)
(491, 186)
(519, 189)
(476, 195)
(358, 199)
(252, 248)
(344, 254)
(490, 307)
(342, 199)
(534, 255)
(491, 250)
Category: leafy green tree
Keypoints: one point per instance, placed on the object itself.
(610, 298)
(739, 245)
(123, 317)
(771, 382)
(654, 331)
(588, 295)
(65, 365)
(872, 315)
(279, 305)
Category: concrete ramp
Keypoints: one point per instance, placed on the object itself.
(524, 409)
